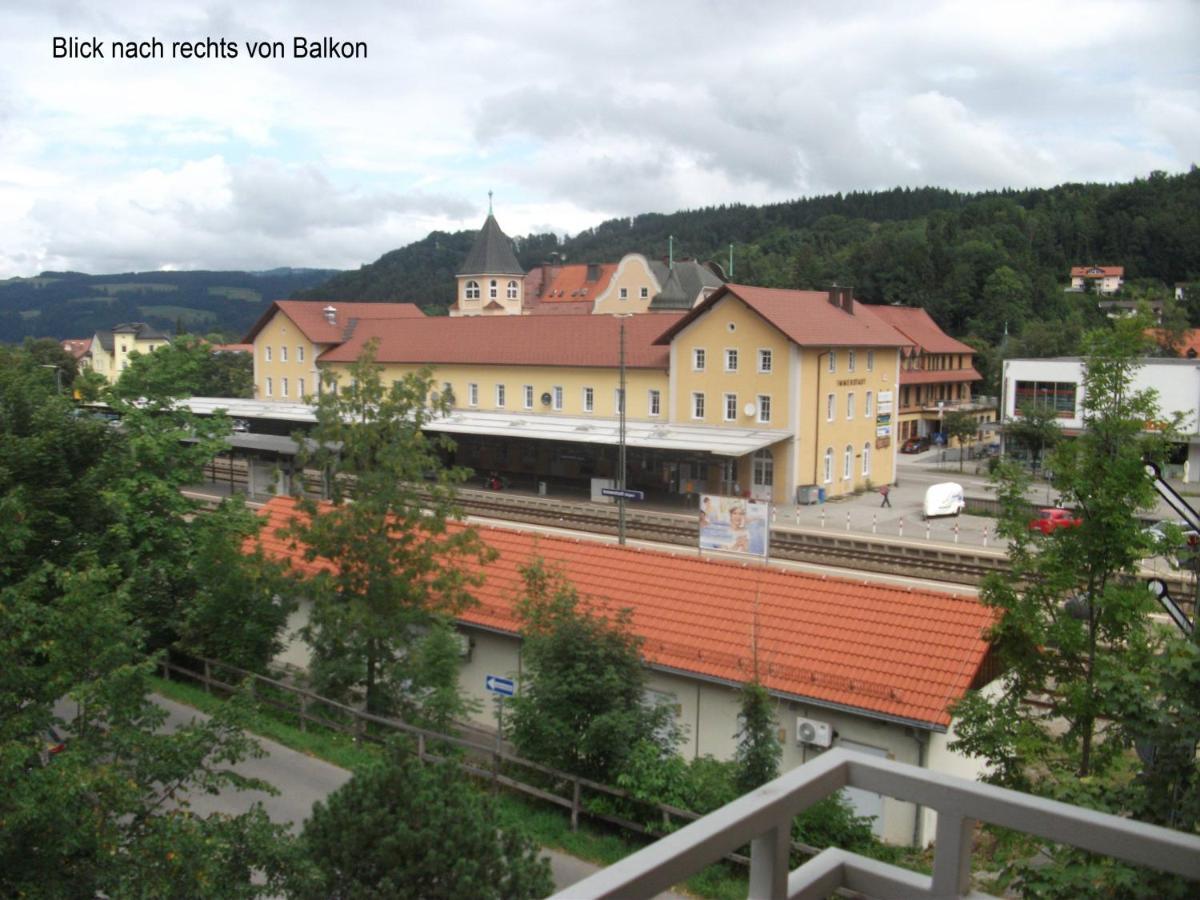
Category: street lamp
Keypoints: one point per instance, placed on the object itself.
(57, 374)
(621, 434)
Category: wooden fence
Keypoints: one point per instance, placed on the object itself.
(487, 761)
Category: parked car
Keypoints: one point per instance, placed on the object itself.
(1052, 518)
(1177, 542)
(915, 445)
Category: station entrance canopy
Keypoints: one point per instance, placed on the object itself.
(730, 442)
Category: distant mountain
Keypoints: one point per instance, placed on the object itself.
(73, 304)
(981, 263)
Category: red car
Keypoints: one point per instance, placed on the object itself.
(1053, 518)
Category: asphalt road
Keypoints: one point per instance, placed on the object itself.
(302, 780)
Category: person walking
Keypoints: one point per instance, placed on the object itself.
(883, 492)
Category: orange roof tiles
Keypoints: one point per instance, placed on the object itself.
(805, 317)
(309, 317)
(917, 325)
(563, 283)
(1097, 271)
(900, 654)
(568, 340)
(77, 347)
(938, 376)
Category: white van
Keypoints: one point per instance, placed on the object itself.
(945, 499)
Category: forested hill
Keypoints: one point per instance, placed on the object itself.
(977, 262)
(75, 305)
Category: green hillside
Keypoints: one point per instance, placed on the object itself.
(72, 304)
(980, 263)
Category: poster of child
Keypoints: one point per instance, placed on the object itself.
(734, 525)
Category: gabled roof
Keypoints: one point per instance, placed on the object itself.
(571, 340)
(140, 331)
(309, 317)
(672, 295)
(1097, 271)
(691, 278)
(77, 347)
(492, 253)
(886, 652)
(918, 326)
(570, 282)
(805, 317)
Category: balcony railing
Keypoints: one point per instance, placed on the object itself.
(763, 820)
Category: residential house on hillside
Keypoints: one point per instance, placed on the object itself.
(109, 351)
(1104, 279)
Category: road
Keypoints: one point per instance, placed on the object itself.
(302, 781)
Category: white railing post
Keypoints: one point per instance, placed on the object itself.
(769, 863)
(952, 855)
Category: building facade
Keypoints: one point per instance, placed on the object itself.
(108, 352)
(1101, 279)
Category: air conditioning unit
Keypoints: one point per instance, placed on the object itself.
(810, 731)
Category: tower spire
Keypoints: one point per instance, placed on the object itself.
(489, 203)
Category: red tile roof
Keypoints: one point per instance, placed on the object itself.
(560, 308)
(895, 653)
(918, 326)
(805, 317)
(77, 347)
(1097, 271)
(310, 318)
(570, 282)
(938, 376)
(1189, 341)
(580, 340)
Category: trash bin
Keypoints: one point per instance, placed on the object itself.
(806, 494)
(541, 489)
(820, 495)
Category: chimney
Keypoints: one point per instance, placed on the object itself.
(848, 300)
(330, 314)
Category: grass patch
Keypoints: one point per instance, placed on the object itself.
(188, 315)
(547, 825)
(135, 287)
(75, 301)
(249, 295)
(28, 314)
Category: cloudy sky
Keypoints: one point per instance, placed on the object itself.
(571, 112)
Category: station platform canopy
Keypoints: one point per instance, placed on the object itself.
(732, 442)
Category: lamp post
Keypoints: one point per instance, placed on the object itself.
(621, 433)
(57, 374)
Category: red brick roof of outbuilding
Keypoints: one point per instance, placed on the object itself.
(578, 340)
(309, 317)
(805, 317)
(895, 653)
(918, 326)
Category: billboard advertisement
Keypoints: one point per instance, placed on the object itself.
(734, 525)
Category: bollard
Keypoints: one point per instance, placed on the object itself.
(926, 529)
(956, 532)
(985, 535)
(774, 511)
(822, 517)
(847, 520)
(797, 515)
(874, 522)
(902, 526)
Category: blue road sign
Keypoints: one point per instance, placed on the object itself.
(628, 495)
(497, 685)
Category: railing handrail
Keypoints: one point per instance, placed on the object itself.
(761, 816)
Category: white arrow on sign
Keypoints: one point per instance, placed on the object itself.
(502, 686)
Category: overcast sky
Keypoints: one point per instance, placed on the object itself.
(571, 112)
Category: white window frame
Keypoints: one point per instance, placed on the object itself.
(654, 402)
(832, 361)
(471, 292)
(764, 409)
(283, 386)
(870, 360)
(558, 397)
(698, 405)
(762, 468)
(266, 349)
(299, 353)
(830, 407)
(493, 289)
(283, 352)
(473, 394)
(848, 462)
(623, 293)
(866, 464)
(512, 290)
(730, 408)
(828, 468)
(644, 293)
(269, 384)
(501, 396)
(300, 387)
(731, 359)
(765, 361)
(869, 404)
(699, 359)
(528, 394)
(589, 400)
(851, 359)
(850, 405)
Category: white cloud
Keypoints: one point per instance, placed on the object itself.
(571, 112)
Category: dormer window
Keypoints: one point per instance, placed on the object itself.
(512, 290)
(472, 292)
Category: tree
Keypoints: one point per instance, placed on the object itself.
(960, 425)
(398, 561)
(1074, 631)
(188, 367)
(1036, 428)
(581, 707)
(402, 828)
(758, 750)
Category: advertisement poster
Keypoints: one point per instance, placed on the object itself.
(734, 525)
